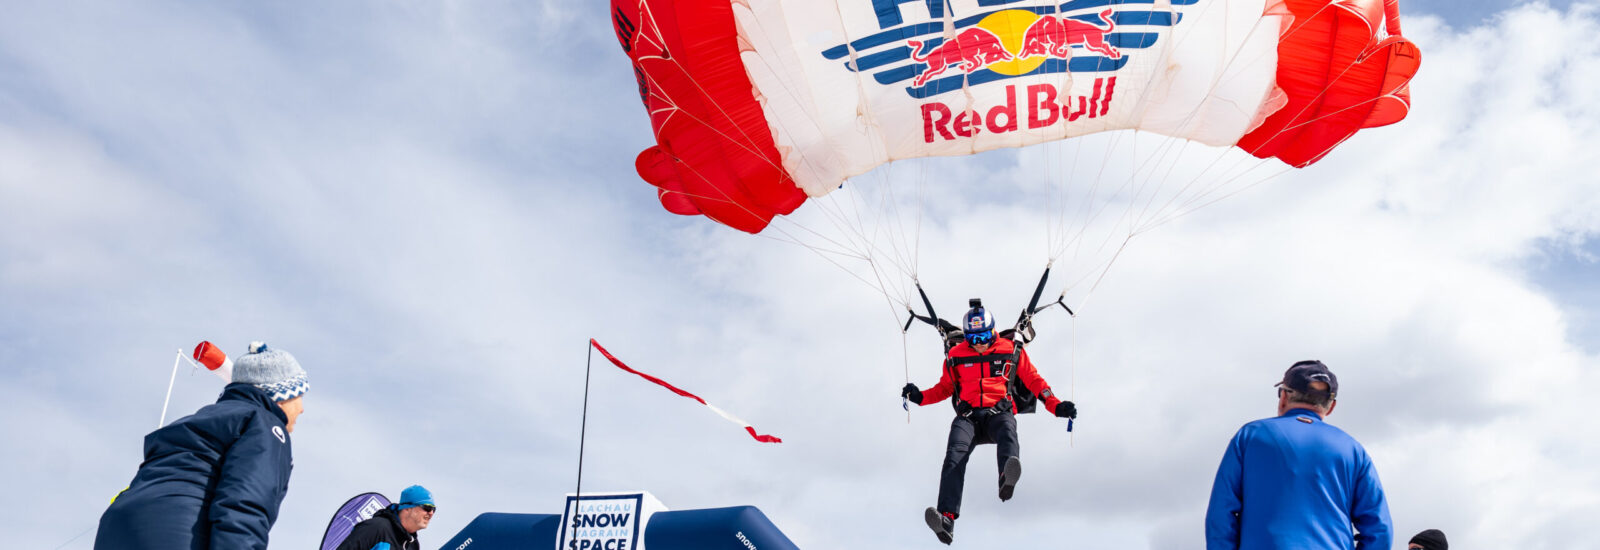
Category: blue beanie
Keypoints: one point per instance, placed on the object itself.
(414, 495)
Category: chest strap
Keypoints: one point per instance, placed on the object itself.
(950, 364)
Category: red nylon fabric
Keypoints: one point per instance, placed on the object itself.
(715, 155)
(1339, 78)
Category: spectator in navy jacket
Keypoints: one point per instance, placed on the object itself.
(214, 479)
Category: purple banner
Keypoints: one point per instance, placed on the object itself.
(356, 510)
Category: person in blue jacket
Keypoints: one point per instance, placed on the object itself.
(1295, 481)
(214, 479)
(394, 527)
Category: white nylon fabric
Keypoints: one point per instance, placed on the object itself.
(1194, 69)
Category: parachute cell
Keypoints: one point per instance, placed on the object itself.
(758, 104)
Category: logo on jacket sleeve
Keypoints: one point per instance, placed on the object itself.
(278, 431)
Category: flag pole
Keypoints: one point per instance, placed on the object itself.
(175, 362)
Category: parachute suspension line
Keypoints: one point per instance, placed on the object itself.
(1185, 202)
(583, 425)
(888, 214)
(865, 248)
(1216, 82)
(905, 260)
(1182, 213)
(853, 227)
(1095, 188)
(905, 358)
(1062, 242)
(823, 254)
(1189, 204)
(904, 245)
(1072, 370)
(1158, 155)
(792, 238)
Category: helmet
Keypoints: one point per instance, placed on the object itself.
(978, 325)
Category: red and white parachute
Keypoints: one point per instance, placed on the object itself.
(759, 104)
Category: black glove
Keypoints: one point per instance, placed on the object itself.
(911, 392)
(1066, 409)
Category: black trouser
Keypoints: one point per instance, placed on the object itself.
(999, 428)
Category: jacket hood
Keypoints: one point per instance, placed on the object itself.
(248, 393)
(393, 515)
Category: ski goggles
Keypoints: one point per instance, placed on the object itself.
(976, 338)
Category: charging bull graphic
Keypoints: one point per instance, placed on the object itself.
(973, 49)
(1054, 37)
(978, 47)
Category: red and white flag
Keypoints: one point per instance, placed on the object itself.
(675, 389)
(215, 361)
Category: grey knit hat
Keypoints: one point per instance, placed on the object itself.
(273, 370)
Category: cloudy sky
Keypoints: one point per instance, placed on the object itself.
(433, 206)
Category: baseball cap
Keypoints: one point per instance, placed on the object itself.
(1300, 376)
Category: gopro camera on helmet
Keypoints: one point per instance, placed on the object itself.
(978, 324)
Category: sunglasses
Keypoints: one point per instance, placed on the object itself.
(429, 508)
(981, 338)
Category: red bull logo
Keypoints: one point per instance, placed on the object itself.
(1054, 37)
(973, 49)
(956, 44)
(995, 43)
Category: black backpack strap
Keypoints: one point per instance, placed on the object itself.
(955, 385)
(970, 359)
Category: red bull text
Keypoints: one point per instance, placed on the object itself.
(1047, 104)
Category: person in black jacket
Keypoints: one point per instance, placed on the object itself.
(214, 479)
(394, 527)
(1429, 539)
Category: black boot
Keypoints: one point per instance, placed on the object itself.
(943, 525)
(1009, 476)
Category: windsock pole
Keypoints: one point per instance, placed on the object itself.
(170, 382)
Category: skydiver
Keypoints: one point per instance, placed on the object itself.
(978, 372)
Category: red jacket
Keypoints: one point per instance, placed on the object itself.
(984, 384)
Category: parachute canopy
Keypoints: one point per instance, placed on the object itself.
(758, 104)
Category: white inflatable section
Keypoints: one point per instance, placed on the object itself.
(1208, 76)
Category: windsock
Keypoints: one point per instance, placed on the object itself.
(674, 389)
(215, 361)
